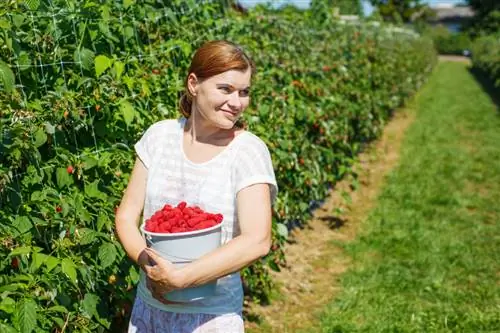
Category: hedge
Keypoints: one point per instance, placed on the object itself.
(82, 80)
(486, 57)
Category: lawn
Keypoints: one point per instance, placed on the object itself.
(428, 256)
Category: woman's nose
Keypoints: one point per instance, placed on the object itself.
(234, 101)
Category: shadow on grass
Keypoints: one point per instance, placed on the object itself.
(334, 222)
(487, 85)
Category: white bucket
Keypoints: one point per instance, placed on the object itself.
(182, 248)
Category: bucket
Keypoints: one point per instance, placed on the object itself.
(182, 248)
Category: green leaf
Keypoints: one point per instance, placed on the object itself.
(69, 268)
(128, 3)
(92, 190)
(40, 137)
(87, 236)
(89, 162)
(20, 250)
(89, 304)
(282, 230)
(127, 111)
(51, 262)
(119, 67)
(102, 63)
(7, 77)
(8, 305)
(58, 308)
(37, 260)
(32, 4)
(107, 254)
(26, 315)
(4, 328)
(4, 24)
(102, 221)
(24, 61)
(63, 177)
(22, 224)
(85, 57)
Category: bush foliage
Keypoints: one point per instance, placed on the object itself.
(486, 57)
(81, 81)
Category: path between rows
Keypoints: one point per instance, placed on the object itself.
(315, 263)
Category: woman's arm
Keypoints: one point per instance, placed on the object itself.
(254, 215)
(129, 212)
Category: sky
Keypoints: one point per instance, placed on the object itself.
(366, 4)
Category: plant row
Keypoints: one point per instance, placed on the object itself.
(82, 80)
(486, 57)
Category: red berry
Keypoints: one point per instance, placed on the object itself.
(70, 169)
(155, 71)
(15, 263)
(97, 107)
(181, 205)
(58, 209)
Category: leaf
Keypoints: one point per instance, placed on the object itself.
(107, 254)
(22, 224)
(101, 63)
(119, 67)
(89, 162)
(282, 230)
(63, 177)
(40, 137)
(37, 260)
(87, 236)
(92, 190)
(26, 315)
(32, 4)
(49, 128)
(127, 111)
(102, 221)
(58, 308)
(7, 329)
(7, 77)
(69, 268)
(24, 61)
(89, 304)
(8, 305)
(84, 57)
(20, 250)
(51, 263)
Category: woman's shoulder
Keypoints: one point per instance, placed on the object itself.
(251, 140)
(164, 126)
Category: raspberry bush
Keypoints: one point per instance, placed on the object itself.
(81, 80)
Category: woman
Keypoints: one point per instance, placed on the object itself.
(203, 158)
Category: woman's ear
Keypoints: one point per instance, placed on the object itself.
(192, 84)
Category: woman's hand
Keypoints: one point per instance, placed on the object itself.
(162, 278)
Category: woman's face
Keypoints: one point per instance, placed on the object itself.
(221, 99)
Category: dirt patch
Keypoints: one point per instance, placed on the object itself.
(310, 280)
(455, 58)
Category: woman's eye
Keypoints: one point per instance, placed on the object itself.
(225, 89)
(244, 93)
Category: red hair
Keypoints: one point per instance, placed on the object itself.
(214, 58)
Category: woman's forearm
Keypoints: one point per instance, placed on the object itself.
(231, 257)
(130, 238)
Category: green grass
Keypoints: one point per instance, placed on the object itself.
(428, 259)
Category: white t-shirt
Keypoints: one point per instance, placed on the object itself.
(212, 185)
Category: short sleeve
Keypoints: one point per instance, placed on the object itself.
(145, 146)
(253, 165)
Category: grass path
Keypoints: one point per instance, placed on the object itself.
(427, 258)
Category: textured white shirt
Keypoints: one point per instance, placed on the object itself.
(212, 185)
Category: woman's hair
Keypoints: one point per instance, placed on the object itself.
(214, 58)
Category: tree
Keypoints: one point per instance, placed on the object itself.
(399, 10)
(487, 17)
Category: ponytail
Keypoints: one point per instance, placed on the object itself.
(185, 104)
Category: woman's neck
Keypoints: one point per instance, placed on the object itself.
(201, 130)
